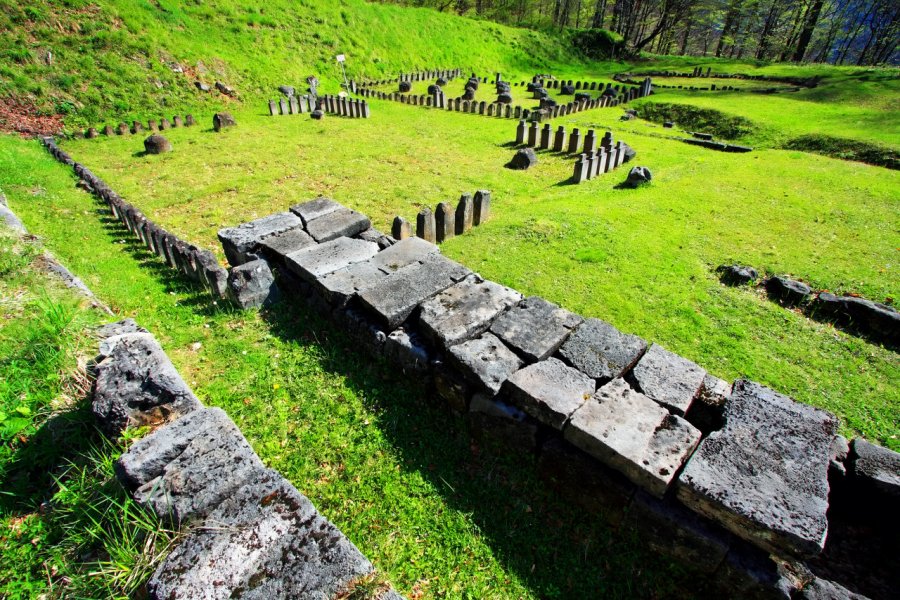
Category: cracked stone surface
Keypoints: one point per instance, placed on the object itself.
(535, 328)
(669, 379)
(241, 243)
(465, 310)
(601, 351)
(486, 361)
(313, 262)
(550, 391)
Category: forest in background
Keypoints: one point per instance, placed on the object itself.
(840, 32)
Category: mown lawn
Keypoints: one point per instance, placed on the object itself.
(642, 259)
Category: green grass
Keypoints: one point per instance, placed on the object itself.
(435, 513)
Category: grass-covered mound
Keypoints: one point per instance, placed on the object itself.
(707, 120)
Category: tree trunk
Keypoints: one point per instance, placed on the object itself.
(806, 35)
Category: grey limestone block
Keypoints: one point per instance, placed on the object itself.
(601, 351)
(136, 384)
(535, 328)
(485, 361)
(445, 222)
(464, 214)
(240, 243)
(342, 222)
(185, 469)
(764, 476)
(671, 529)
(314, 262)
(425, 225)
(667, 378)
(252, 285)
(315, 208)
(402, 254)
(634, 435)
(266, 540)
(465, 310)
(877, 465)
(482, 207)
(394, 298)
(276, 247)
(550, 391)
(339, 287)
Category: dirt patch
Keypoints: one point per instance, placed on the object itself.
(25, 119)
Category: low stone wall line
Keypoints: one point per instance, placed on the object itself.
(136, 127)
(252, 529)
(198, 265)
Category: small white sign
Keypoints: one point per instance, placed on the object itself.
(341, 58)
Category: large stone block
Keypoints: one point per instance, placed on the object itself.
(342, 222)
(394, 298)
(276, 247)
(313, 262)
(313, 209)
(188, 467)
(633, 434)
(765, 475)
(265, 541)
(241, 243)
(878, 466)
(601, 351)
(669, 379)
(402, 254)
(465, 310)
(136, 384)
(549, 391)
(485, 361)
(252, 285)
(339, 287)
(535, 328)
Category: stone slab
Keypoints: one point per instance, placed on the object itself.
(188, 467)
(342, 222)
(393, 299)
(877, 465)
(535, 328)
(240, 243)
(486, 361)
(313, 262)
(315, 208)
(265, 541)
(667, 378)
(634, 435)
(136, 385)
(550, 391)
(601, 351)
(402, 254)
(339, 287)
(465, 310)
(276, 247)
(764, 476)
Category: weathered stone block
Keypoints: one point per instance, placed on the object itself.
(313, 262)
(877, 466)
(465, 310)
(241, 243)
(339, 287)
(667, 378)
(265, 541)
(342, 222)
(315, 208)
(633, 434)
(549, 391)
(276, 247)
(402, 254)
(136, 384)
(482, 207)
(601, 351)
(707, 412)
(765, 475)
(188, 467)
(445, 222)
(406, 348)
(535, 328)
(486, 361)
(252, 285)
(394, 298)
(400, 228)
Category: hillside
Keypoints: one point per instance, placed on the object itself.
(128, 59)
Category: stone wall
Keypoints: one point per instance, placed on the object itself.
(199, 265)
(249, 531)
(734, 479)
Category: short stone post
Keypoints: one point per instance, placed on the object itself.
(520, 133)
(575, 142)
(464, 214)
(620, 154)
(600, 163)
(606, 142)
(295, 106)
(590, 142)
(400, 229)
(482, 207)
(284, 106)
(545, 136)
(177, 122)
(445, 222)
(580, 173)
(559, 142)
(533, 134)
(425, 225)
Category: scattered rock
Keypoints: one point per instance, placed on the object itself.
(223, 120)
(228, 91)
(668, 124)
(252, 285)
(567, 90)
(202, 86)
(434, 89)
(504, 98)
(873, 318)
(638, 176)
(286, 90)
(317, 114)
(405, 87)
(787, 291)
(628, 152)
(157, 144)
(736, 274)
(524, 159)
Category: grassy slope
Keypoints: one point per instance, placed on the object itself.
(435, 513)
(113, 58)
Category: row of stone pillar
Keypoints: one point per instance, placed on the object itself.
(138, 126)
(446, 221)
(292, 105)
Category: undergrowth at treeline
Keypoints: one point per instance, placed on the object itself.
(66, 527)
